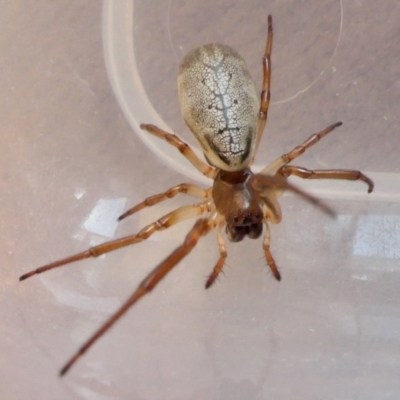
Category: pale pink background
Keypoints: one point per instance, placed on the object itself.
(329, 330)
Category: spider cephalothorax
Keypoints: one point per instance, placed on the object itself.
(238, 202)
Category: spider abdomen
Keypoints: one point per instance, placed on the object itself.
(220, 105)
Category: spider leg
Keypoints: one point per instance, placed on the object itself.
(185, 188)
(265, 92)
(267, 253)
(183, 147)
(270, 187)
(200, 228)
(350, 175)
(223, 254)
(164, 222)
(298, 150)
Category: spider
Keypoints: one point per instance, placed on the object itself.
(220, 106)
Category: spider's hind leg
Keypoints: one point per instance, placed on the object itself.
(265, 97)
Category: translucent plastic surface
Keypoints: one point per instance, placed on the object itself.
(73, 74)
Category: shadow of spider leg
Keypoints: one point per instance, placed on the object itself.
(185, 188)
(200, 228)
(162, 223)
(269, 188)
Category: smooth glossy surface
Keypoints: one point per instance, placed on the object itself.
(330, 329)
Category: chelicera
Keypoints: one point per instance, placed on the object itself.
(220, 106)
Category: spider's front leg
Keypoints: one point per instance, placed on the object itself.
(200, 228)
(164, 222)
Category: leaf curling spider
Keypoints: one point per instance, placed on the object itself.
(220, 106)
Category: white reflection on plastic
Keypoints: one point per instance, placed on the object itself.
(378, 236)
(103, 218)
(89, 394)
(81, 303)
(381, 327)
(79, 193)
